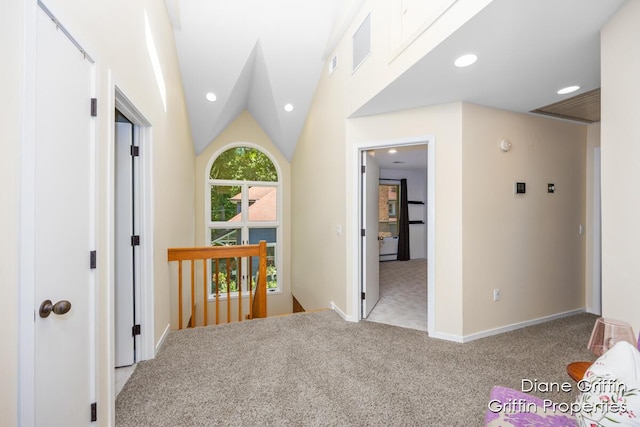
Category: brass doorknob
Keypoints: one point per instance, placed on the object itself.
(61, 307)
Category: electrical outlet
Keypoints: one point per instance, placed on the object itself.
(496, 295)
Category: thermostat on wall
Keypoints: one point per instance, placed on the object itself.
(521, 187)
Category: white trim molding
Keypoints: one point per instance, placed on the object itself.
(162, 339)
(511, 327)
(342, 314)
(353, 173)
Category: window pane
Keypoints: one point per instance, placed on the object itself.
(225, 279)
(244, 164)
(225, 237)
(224, 272)
(270, 236)
(388, 210)
(263, 203)
(226, 203)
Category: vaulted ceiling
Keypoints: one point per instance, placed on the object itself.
(252, 54)
(261, 55)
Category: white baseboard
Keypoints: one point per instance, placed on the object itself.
(592, 310)
(342, 314)
(513, 326)
(447, 337)
(335, 308)
(162, 338)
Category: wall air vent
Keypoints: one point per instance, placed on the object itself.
(362, 43)
(333, 64)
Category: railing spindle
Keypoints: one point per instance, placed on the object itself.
(228, 290)
(250, 287)
(206, 293)
(257, 299)
(180, 294)
(217, 291)
(192, 323)
(239, 279)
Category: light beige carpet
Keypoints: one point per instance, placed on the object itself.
(315, 369)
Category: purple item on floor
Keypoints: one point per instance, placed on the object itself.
(509, 407)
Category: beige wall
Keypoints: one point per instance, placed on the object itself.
(11, 86)
(620, 135)
(113, 32)
(318, 199)
(528, 246)
(545, 150)
(244, 129)
(322, 258)
(486, 237)
(444, 123)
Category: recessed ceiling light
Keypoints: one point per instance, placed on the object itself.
(465, 60)
(288, 108)
(211, 97)
(568, 89)
(393, 151)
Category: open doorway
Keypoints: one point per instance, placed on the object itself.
(127, 240)
(131, 240)
(394, 216)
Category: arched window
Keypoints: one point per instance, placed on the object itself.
(243, 207)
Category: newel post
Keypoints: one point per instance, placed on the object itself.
(261, 288)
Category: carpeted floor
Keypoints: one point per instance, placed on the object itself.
(318, 370)
(403, 294)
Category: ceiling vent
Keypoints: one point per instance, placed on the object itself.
(583, 108)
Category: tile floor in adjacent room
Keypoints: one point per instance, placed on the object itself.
(122, 376)
(403, 294)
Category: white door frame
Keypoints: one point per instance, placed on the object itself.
(144, 295)
(356, 178)
(596, 295)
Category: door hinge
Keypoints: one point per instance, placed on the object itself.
(94, 107)
(362, 295)
(93, 259)
(135, 240)
(135, 151)
(135, 330)
(94, 412)
(362, 232)
(362, 169)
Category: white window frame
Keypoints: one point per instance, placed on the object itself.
(244, 225)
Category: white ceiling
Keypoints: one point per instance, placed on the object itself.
(253, 54)
(527, 50)
(260, 55)
(404, 158)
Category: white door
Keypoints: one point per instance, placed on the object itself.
(126, 254)
(64, 228)
(370, 245)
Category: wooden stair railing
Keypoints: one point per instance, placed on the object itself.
(257, 299)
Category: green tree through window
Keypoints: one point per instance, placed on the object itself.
(244, 190)
(244, 164)
(237, 164)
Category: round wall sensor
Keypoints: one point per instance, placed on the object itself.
(505, 145)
